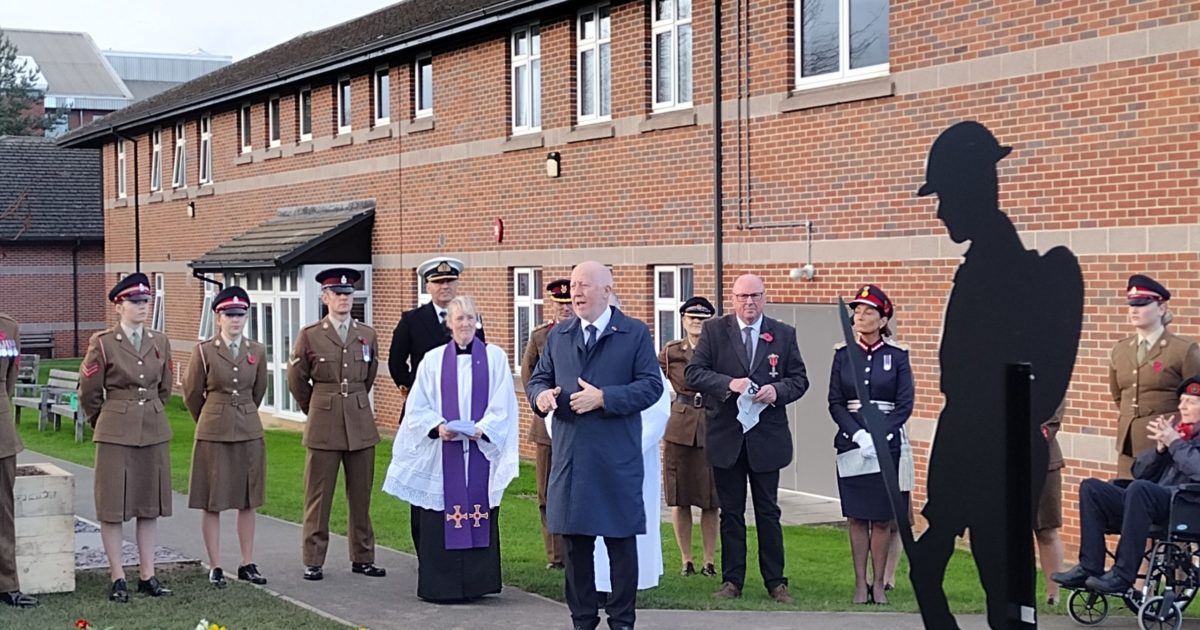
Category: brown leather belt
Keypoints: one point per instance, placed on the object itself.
(695, 400)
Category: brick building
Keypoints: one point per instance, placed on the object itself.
(523, 137)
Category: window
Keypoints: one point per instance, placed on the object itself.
(179, 169)
(304, 104)
(527, 79)
(156, 159)
(423, 86)
(273, 121)
(343, 105)
(121, 169)
(527, 309)
(383, 91)
(207, 325)
(423, 296)
(206, 175)
(274, 319)
(595, 64)
(840, 40)
(672, 287)
(159, 315)
(672, 41)
(244, 124)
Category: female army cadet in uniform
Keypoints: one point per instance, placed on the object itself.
(223, 386)
(124, 381)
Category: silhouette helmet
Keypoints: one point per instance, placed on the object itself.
(962, 148)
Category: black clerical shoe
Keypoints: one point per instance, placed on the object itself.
(368, 569)
(688, 569)
(17, 599)
(709, 570)
(216, 577)
(1109, 583)
(249, 573)
(119, 592)
(152, 587)
(1075, 578)
(313, 573)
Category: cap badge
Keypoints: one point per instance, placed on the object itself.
(344, 281)
(865, 292)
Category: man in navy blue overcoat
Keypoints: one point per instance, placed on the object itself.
(596, 374)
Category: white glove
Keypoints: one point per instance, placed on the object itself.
(864, 442)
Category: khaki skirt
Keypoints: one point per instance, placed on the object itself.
(132, 481)
(227, 475)
(688, 477)
(1049, 514)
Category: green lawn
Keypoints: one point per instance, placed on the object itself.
(818, 559)
(239, 607)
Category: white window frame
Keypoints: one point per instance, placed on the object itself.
(208, 325)
(159, 315)
(423, 295)
(594, 44)
(670, 304)
(419, 87)
(381, 104)
(844, 73)
(531, 303)
(156, 159)
(672, 26)
(305, 135)
(273, 121)
(179, 165)
(121, 176)
(531, 62)
(246, 127)
(344, 109)
(206, 161)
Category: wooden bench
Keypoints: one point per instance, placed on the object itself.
(27, 368)
(62, 401)
(39, 342)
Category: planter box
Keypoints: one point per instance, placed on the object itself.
(44, 501)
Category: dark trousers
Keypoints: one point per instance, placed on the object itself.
(8, 534)
(764, 490)
(581, 581)
(1104, 506)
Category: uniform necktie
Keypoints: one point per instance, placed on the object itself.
(233, 350)
(343, 330)
(747, 333)
(136, 340)
(591, 338)
(1143, 350)
(441, 317)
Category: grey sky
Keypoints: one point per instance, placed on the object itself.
(223, 27)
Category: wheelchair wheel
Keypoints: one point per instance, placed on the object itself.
(1087, 608)
(1155, 616)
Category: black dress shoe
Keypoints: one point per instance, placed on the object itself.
(688, 569)
(368, 569)
(555, 566)
(153, 587)
(709, 570)
(17, 599)
(216, 577)
(249, 573)
(313, 573)
(119, 592)
(1075, 578)
(1109, 583)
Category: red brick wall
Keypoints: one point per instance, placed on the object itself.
(36, 281)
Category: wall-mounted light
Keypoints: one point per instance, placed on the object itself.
(553, 164)
(191, 209)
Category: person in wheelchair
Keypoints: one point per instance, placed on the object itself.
(1105, 505)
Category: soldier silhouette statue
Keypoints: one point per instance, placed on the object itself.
(1009, 305)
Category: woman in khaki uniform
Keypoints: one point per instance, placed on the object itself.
(687, 475)
(124, 381)
(223, 386)
(1146, 368)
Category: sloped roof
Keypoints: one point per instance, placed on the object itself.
(70, 62)
(296, 236)
(49, 193)
(390, 28)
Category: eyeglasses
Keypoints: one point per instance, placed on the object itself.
(748, 297)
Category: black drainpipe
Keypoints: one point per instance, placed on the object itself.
(718, 238)
(196, 273)
(137, 209)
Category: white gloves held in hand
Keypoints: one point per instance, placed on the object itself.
(864, 442)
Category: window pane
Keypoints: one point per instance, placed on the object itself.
(426, 85)
(359, 309)
(344, 105)
(685, 10)
(268, 333)
(605, 80)
(868, 33)
(666, 328)
(662, 61)
(383, 95)
(520, 44)
(662, 9)
(288, 403)
(245, 126)
(666, 285)
(275, 119)
(522, 284)
(587, 26)
(269, 399)
(535, 41)
(268, 280)
(587, 83)
(687, 288)
(818, 37)
(520, 95)
(605, 23)
(685, 64)
(537, 284)
(536, 97)
(306, 113)
(522, 329)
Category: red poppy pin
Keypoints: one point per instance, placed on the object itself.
(1046, 433)
(1158, 367)
(83, 624)
(766, 336)
(252, 359)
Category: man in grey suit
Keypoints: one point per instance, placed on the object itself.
(748, 352)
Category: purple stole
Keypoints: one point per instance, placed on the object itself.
(466, 497)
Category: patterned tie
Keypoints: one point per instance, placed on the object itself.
(136, 340)
(747, 333)
(343, 330)
(441, 317)
(591, 338)
(1143, 350)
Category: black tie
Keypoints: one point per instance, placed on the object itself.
(746, 332)
(591, 337)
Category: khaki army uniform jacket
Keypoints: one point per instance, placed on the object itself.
(332, 381)
(10, 442)
(1146, 390)
(686, 425)
(533, 351)
(223, 393)
(122, 391)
